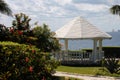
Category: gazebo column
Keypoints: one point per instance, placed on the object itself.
(66, 49)
(66, 44)
(100, 49)
(94, 56)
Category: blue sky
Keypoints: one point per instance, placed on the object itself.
(57, 13)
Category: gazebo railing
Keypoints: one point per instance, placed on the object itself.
(72, 55)
(80, 56)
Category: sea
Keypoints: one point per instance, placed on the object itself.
(82, 44)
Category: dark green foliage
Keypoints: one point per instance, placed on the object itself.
(109, 51)
(21, 22)
(4, 8)
(112, 65)
(45, 39)
(4, 33)
(24, 62)
(41, 36)
(115, 9)
(20, 30)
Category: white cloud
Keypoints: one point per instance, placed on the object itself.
(104, 21)
(38, 7)
(63, 2)
(57, 12)
(91, 7)
(53, 9)
(27, 5)
(111, 1)
(6, 20)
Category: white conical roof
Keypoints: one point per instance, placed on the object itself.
(79, 28)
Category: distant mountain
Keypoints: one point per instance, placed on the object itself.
(79, 44)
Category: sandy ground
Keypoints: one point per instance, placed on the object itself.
(85, 77)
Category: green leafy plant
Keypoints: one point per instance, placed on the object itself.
(4, 33)
(21, 22)
(40, 36)
(45, 39)
(112, 65)
(24, 62)
(20, 30)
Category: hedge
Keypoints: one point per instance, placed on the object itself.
(24, 62)
(109, 51)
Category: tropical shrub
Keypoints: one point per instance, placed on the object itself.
(40, 36)
(109, 51)
(4, 33)
(112, 65)
(20, 30)
(24, 62)
(45, 39)
(21, 22)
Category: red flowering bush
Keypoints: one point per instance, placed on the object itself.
(21, 32)
(24, 62)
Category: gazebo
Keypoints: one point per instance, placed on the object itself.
(79, 29)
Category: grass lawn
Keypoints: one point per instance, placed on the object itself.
(79, 70)
(86, 70)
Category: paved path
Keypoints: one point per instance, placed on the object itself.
(85, 77)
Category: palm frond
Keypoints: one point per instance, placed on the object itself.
(4, 8)
(115, 9)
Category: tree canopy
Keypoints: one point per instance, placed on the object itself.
(115, 9)
(40, 36)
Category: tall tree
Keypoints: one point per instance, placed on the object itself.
(115, 9)
(21, 22)
(4, 8)
(46, 41)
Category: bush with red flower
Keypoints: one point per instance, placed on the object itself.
(40, 36)
(24, 62)
(27, 62)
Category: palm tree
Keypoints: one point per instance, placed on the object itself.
(4, 8)
(115, 9)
